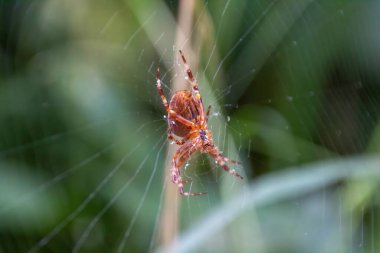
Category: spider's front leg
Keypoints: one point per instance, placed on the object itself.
(221, 160)
(183, 153)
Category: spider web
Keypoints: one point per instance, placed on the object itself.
(294, 90)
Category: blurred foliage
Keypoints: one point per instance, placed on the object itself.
(83, 138)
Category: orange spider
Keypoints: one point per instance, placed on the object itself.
(186, 119)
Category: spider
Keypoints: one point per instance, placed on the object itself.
(187, 119)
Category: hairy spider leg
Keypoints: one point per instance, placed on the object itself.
(226, 159)
(183, 153)
(176, 175)
(194, 85)
(165, 102)
(160, 91)
(182, 159)
(208, 112)
(178, 142)
(221, 160)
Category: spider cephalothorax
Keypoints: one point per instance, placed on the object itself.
(187, 119)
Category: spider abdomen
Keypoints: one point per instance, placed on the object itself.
(183, 103)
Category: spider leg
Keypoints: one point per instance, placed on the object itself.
(165, 102)
(226, 159)
(194, 85)
(208, 112)
(191, 78)
(183, 153)
(181, 119)
(160, 91)
(183, 158)
(178, 142)
(221, 160)
(176, 175)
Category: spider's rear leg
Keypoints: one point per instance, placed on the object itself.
(182, 192)
(177, 179)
